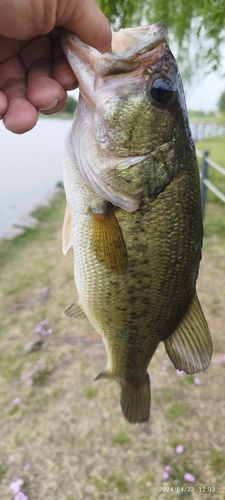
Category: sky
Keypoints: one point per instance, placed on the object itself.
(204, 95)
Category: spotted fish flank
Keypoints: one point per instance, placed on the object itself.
(133, 210)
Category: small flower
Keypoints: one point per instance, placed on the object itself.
(16, 401)
(197, 381)
(189, 477)
(166, 472)
(15, 485)
(151, 377)
(44, 322)
(179, 449)
(180, 372)
(44, 289)
(29, 382)
(221, 358)
(27, 466)
(38, 328)
(164, 368)
(20, 496)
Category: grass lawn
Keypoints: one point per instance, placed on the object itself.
(62, 433)
(215, 209)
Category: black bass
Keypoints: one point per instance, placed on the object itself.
(133, 210)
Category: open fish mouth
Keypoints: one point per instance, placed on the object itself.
(111, 87)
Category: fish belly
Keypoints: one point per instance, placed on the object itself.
(134, 311)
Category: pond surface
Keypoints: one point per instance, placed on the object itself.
(30, 168)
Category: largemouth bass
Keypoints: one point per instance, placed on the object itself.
(133, 210)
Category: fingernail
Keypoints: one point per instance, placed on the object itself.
(52, 105)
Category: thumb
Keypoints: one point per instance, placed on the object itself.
(85, 19)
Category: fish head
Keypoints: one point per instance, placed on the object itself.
(130, 113)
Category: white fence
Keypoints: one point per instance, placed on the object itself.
(205, 183)
(203, 130)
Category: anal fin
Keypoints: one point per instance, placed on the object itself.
(190, 346)
(107, 240)
(75, 311)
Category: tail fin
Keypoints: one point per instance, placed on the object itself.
(135, 400)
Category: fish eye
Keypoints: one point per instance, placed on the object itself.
(161, 90)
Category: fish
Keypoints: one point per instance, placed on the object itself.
(133, 214)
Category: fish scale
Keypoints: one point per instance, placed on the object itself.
(134, 221)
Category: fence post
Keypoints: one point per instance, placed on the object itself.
(204, 173)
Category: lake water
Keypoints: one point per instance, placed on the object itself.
(30, 167)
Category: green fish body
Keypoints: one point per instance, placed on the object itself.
(133, 210)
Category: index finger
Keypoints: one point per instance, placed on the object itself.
(88, 23)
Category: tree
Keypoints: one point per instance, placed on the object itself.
(200, 23)
(70, 105)
(221, 103)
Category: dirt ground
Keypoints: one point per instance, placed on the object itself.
(62, 433)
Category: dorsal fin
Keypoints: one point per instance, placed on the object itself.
(75, 310)
(67, 234)
(190, 346)
(107, 240)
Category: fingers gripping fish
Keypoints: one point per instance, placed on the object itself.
(133, 210)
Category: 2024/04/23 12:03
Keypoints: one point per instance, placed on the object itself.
(186, 489)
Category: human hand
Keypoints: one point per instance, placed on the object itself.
(34, 73)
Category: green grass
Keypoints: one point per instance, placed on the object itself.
(121, 438)
(71, 431)
(201, 116)
(217, 460)
(214, 222)
(90, 392)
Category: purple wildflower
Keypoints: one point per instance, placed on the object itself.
(20, 496)
(197, 381)
(180, 372)
(44, 322)
(190, 478)
(179, 449)
(38, 328)
(166, 472)
(27, 466)
(16, 401)
(220, 358)
(15, 485)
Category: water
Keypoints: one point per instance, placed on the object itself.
(30, 167)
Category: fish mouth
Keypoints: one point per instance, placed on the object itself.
(131, 48)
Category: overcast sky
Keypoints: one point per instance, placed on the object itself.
(204, 95)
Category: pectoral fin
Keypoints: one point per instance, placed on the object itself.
(67, 235)
(76, 311)
(107, 240)
(190, 346)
